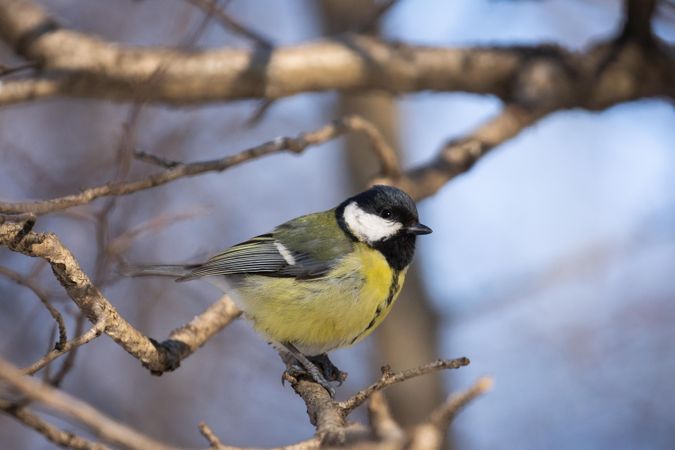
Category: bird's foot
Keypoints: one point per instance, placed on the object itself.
(328, 369)
(297, 371)
(318, 368)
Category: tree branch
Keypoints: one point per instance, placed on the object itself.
(431, 434)
(327, 415)
(443, 415)
(85, 66)
(39, 293)
(103, 426)
(459, 155)
(382, 150)
(388, 378)
(381, 421)
(638, 20)
(85, 338)
(158, 357)
(53, 434)
(230, 23)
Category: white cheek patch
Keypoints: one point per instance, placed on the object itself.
(368, 227)
(283, 251)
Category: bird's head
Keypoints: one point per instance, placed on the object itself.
(380, 214)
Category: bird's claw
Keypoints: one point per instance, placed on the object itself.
(294, 372)
(328, 369)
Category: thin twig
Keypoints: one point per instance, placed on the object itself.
(40, 294)
(8, 70)
(444, 414)
(156, 160)
(158, 357)
(381, 421)
(209, 435)
(122, 242)
(386, 155)
(388, 378)
(373, 18)
(211, 7)
(85, 338)
(50, 432)
(100, 424)
(431, 434)
(458, 155)
(69, 361)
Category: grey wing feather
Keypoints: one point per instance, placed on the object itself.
(261, 255)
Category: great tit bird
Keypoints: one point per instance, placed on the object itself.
(320, 281)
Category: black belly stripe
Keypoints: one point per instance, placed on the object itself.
(393, 288)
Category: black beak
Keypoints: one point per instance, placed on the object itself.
(418, 228)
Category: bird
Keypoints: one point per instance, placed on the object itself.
(319, 282)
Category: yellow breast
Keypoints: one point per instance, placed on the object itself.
(322, 314)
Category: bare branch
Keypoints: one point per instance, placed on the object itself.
(324, 413)
(32, 88)
(82, 65)
(388, 378)
(373, 17)
(444, 414)
(100, 424)
(211, 7)
(459, 155)
(156, 160)
(53, 434)
(158, 357)
(386, 155)
(39, 293)
(8, 70)
(210, 436)
(638, 20)
(431, 434)
(122, 242)
(383, 424)
(85, 338)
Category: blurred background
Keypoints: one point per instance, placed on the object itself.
(551, 265)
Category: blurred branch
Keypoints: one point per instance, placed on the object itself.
(324, 412)
(386, 156)
(638, 19)
(53, 434)
(430, 435)
(78, 64)
(85, 338)
(8, 70)
(158, 357)
(444, 414)
(100, 424)
(122, 242)
(39, 293)
(381, 421)
(459, 155)
(372, 18)
(211, 7)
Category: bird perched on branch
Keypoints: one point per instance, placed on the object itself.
(318, 282)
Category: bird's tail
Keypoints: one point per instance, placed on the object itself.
(162, 270)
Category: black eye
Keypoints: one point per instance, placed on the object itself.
(385, 213)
